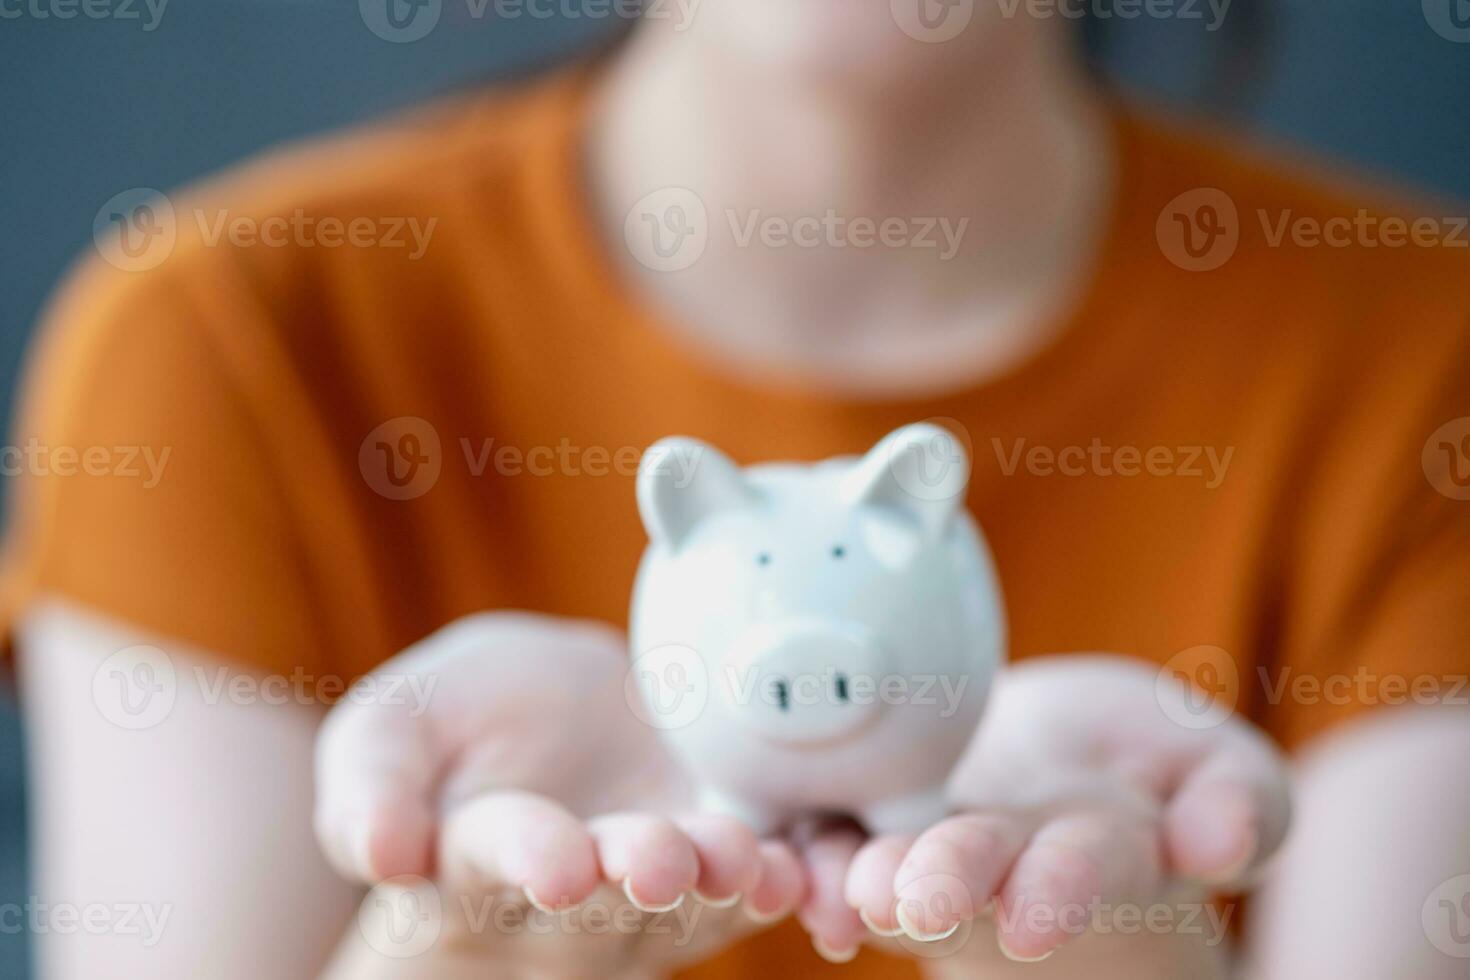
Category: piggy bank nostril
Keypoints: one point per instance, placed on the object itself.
(839, 682)
(782, 693)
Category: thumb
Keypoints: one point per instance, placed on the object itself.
(375, 768)
(380, 761)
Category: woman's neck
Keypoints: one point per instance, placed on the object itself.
(883, 235)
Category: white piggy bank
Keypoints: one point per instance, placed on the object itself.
(815, 638)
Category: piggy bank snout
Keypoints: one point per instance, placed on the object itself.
(805, 681)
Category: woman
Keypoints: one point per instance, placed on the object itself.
(787, 229)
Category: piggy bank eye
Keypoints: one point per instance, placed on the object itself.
(838, 551)
(764, 558)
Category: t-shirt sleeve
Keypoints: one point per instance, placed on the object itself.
(138, 483)
(1378, 603)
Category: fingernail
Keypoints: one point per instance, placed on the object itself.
(764, 918)
(717, 903)
(833, 955)
(1236, 868)
(536, 903)
(912, 930)
(1017, 957)
(643, 906)
(875, 929)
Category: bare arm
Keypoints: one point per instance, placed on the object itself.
(194, 833)
(1364, 888)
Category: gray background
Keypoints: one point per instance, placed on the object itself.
(92, 107)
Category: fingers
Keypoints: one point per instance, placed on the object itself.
(1070, 867)
(870, 882)
(953, 869)
(834, 925)
(519, 840)
(374, 766)
(729, 858)
(1228, 814)
(781, 885)
(516, 840)
(378, 758)
(648, 856)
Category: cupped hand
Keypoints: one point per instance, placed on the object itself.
(501, 759)
(1088, 787)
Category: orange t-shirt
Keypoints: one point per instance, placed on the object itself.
(1249, 458)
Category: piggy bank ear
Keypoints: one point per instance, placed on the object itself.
(919, 472)
(682, 481)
